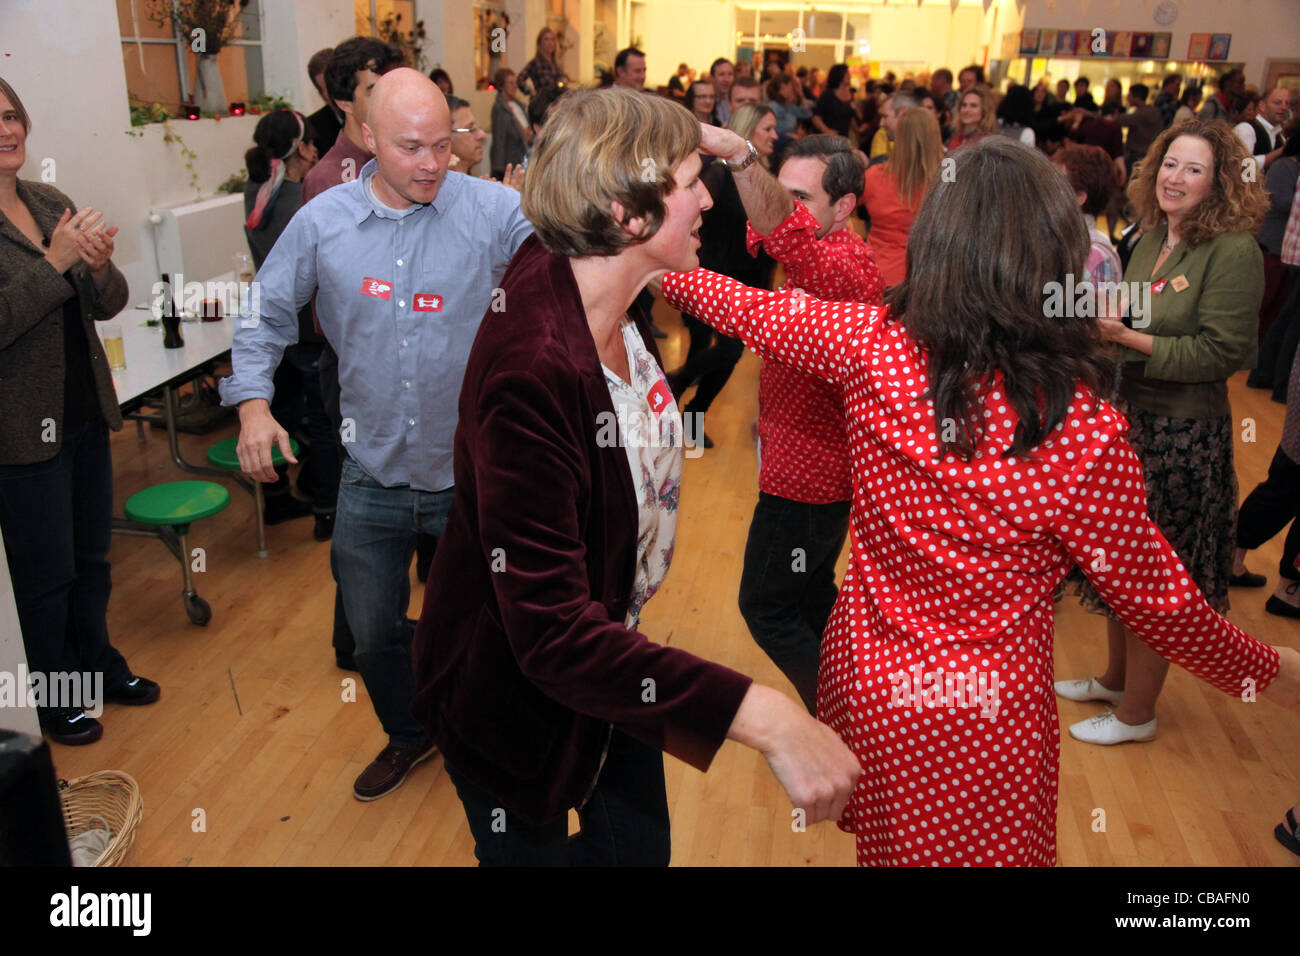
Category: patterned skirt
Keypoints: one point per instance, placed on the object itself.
(1191, 488)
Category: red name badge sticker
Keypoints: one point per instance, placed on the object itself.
(660, 397)
(1158, 287)
(376, 287)
(428, 302)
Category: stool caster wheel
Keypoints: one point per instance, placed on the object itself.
(199, 611)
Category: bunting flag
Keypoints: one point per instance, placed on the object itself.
(953, 4)
(987, 4)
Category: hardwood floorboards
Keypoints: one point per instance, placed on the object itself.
(268, 781)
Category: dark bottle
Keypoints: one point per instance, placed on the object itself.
(171, 319)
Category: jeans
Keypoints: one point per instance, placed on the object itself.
(624, 822)
(787, 587)
(1268, 509)
(327, 373)
(374, 539)
(56, 517)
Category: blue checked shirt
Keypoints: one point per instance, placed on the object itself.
(400, 295)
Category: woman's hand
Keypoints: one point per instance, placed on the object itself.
(64, 248)
(814, 767)
(1112, 330)
(1285, 689)
(96, 249)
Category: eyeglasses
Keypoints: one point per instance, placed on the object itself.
(472, 128)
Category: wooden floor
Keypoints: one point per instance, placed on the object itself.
(249, 757)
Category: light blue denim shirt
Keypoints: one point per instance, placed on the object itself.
(400, 295)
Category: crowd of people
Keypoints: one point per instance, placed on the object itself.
(472, 353)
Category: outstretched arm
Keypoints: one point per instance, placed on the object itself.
(1136, 571)
(817, 337)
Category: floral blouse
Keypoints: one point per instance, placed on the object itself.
(650, 430)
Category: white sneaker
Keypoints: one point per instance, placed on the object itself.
(1107, 729)
(1090, 689)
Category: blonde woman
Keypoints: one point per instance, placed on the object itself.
(895, 188)
(543, 71)
(975, 116)
(531, 673)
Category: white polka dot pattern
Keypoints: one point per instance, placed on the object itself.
(801, 419)
(953, 569)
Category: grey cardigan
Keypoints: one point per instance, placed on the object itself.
(32, 362)
(508, 144)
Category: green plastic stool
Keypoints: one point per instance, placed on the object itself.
(222, 455)
(172, 507)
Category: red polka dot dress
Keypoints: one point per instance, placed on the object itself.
(937, 662)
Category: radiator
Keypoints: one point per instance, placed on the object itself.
(199, 239)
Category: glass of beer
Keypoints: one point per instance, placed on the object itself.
(113, 346)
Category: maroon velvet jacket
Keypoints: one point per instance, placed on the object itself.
(522, 662)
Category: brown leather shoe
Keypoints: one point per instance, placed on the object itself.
(387, 771)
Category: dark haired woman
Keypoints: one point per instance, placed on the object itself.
(511, 133)
(284, 151)
(1199, 258)
(833, 111)
(57, 279)
(980, 452)
(1015, 115)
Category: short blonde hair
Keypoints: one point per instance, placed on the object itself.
(600, 147)
(17, 104)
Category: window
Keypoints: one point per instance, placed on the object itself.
(160, 66)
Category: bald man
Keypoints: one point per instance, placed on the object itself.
(404, 261)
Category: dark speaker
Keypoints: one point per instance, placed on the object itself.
(32, 832)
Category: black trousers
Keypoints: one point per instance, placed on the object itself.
(56, 517)
(709, 364)
(787, 587)
(1269, 508)
(624, 822)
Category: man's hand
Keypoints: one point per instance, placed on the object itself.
(723, 143)
(814, 767)
(258, 432)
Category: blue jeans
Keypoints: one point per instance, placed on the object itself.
(787, 587)
(624, 822)
(56, 517)
(374, 539)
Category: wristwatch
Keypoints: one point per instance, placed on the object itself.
(749, 160)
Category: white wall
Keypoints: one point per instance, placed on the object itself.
(1261, 29)
(684, 30)
(931, 33)
(80, 116)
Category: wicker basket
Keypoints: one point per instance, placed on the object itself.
(113, 796)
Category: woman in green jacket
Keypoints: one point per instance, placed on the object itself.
(1199, 259)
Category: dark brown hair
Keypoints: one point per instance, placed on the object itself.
(978, 271)
(1090, 171)
(1235, 202)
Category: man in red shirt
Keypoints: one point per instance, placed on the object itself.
(801, 219)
